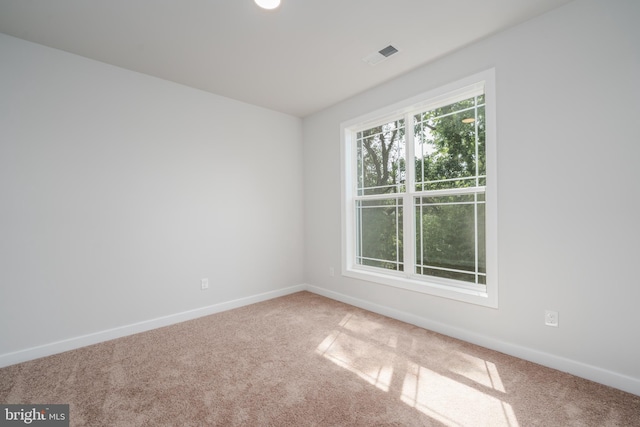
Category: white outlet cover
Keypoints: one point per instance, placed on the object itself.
(551, 318)
(204, 284)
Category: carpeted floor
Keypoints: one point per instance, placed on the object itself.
(305, 360)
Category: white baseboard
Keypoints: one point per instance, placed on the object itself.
(593, 373)
(122, 331)
(579, 369)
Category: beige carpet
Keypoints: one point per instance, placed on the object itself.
(304, 360)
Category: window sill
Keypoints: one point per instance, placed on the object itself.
(482, 298)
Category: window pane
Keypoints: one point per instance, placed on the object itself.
(380, 159)
(450, 146)
(450, 237)
(379, 233)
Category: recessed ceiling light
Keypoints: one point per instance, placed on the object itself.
(268, 4)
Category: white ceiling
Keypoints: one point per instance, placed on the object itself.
(300, 58)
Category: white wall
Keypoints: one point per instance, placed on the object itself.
(568, 105)
(119, 192)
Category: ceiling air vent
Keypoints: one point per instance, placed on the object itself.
(379, 56)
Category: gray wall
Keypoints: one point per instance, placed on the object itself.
(568, 188)
(119, 192)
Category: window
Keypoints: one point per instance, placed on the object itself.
(419, 196)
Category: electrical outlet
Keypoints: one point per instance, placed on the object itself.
(551, 318)
(204, 284)
(332, 272)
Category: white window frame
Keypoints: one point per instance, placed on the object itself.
(435, 98)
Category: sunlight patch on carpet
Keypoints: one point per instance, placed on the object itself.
(359, 357)
(479, 370)
(452, 402)
(471, 392)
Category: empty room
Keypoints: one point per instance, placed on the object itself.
(327, 213)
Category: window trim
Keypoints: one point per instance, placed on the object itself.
(432, 286)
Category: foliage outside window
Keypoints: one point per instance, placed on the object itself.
(416, 196)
